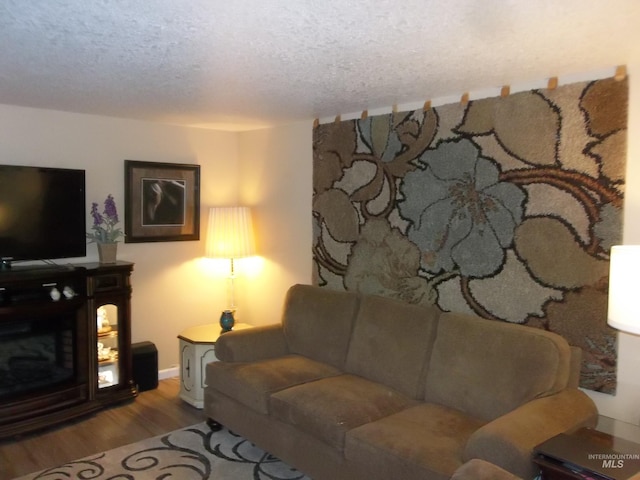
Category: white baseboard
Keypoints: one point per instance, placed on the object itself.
(169, 373)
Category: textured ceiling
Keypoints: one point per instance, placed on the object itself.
(242, 64)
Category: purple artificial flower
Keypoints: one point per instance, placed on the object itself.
(110, 209)
(97, 217)
(104, 224)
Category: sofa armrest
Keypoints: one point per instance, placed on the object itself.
(251, 344)
(508, 441)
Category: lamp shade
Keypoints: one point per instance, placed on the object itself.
(230, 233)
(624, 298)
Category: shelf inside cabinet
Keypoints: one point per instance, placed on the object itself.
(110, 334)
(110, 359)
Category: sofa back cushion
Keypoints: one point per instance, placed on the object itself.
(392, 342)
(317, 322)
(487, 368)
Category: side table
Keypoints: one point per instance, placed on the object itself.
(588, 454)
(197, 348)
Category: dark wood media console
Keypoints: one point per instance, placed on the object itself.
(65, 343)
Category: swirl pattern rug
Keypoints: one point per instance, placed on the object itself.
(502, 207)
(193, 453)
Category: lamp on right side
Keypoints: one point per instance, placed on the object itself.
(624, 288)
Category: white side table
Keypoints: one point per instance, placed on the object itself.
(197, 348)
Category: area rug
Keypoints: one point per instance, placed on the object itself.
(502, 207)
(193, 453)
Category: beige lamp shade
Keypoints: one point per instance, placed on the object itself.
(230, 233)
(624, 294)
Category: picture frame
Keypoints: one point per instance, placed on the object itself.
(162, 202)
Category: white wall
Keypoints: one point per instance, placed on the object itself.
(276, 169)
(171, 288)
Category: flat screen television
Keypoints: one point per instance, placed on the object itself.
(42, 213)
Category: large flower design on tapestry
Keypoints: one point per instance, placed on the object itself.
(462, 216)
(362, 161)
(384, 262)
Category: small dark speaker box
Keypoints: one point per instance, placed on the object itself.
(145, 365)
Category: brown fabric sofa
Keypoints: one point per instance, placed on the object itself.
(354, 387)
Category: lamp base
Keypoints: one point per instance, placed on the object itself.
(227, 321)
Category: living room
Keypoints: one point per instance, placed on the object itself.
(270, 170)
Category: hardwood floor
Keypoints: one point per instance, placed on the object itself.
(152, 413)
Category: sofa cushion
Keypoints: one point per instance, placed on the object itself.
(328, 408)
(317, 322)
(253, 383)
(391, 343)
(487, 368)
(425, 441)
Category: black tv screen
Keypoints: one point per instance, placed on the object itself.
(42, 213)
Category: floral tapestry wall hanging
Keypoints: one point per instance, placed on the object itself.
(503, 207)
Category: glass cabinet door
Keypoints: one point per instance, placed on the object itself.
(109, 306)
(108, 346)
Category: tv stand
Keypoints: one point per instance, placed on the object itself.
(55, 308)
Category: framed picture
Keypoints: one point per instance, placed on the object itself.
(162, 202)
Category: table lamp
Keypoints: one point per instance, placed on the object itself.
(230, 236)
(624, 306)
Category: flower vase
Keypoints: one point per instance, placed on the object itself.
(107, 252)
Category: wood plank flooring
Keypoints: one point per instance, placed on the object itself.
(152, 413)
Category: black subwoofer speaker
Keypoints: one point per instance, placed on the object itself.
(145, 365)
